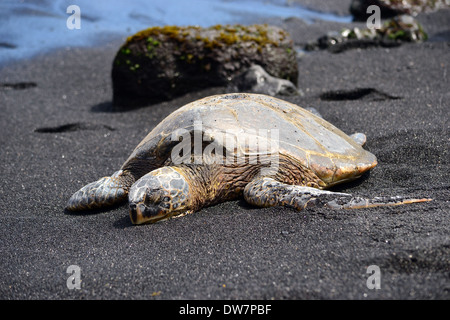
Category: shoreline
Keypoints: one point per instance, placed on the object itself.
(40, 28)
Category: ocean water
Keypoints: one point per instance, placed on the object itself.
(30, 27)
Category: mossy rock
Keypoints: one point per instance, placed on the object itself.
(161, 63)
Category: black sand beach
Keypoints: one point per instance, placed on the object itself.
(59, 132)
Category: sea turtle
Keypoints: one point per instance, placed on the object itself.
(219, 148)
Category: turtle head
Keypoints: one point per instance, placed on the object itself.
(158, 195)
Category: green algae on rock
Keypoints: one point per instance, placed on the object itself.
(161, 63)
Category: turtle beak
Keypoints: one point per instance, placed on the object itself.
(141, 213)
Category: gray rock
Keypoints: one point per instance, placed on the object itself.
(389, 8)
(256, 80)
(393, 32)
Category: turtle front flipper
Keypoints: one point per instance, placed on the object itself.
(104, 192)
(267, 192)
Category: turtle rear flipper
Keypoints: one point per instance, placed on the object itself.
(104, 192)
(360, 138)
(267, 192)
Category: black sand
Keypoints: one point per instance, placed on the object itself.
(58, 133)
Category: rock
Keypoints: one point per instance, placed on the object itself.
(256, 80)
(391, 8)
(393, 32)
(161, 63)
(403, 28)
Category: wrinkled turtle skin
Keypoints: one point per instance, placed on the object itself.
(219, 148)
